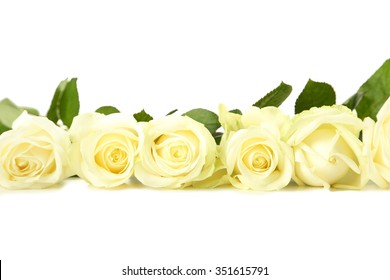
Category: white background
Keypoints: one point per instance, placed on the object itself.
(162, 55)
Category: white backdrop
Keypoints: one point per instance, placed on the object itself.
(163, 55)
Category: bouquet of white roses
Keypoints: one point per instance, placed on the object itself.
(323, 145)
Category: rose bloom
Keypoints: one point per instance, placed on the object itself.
(253, 150)
(376, 139)
(104, 148)
(33, 154)
(177, 152)
(327, 148)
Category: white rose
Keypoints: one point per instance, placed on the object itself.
(376, 139)
(33, 154)
(177, 151)
(327, 148)
(254, 153)
(104, 148)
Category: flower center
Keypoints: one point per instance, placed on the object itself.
(29, 160)
(22, 164)
(257, 157)
(260, 162)
(172, 149)
(333, 160)
(175, 151)
(112, 153)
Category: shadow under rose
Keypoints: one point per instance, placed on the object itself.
(134, 184)
(53, 188)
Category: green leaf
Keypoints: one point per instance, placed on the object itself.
(8, 113)
(218, 137)
(107, 110)
(65, 104)
(172, 112)
(54, 111)
(206, 117)
(315, 94)
(276, 97)
(70, 104)
(353, 101)
(372, 94)
(3, 128)
(142, 116)
(31, 111)
(236, 111)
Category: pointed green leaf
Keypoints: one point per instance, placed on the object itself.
(276, 97)
(172, 112)
(54, 111)
(142, 116)
(65, 104)
(107, 110)
(70, 104)
(315, 94)
(372, 94)
(206, 117)
(236, 111)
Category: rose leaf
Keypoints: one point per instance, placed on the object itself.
(315, 94)
(107, 110)
(275, 97)
(206, 117)
(142, 116)
(372, 94)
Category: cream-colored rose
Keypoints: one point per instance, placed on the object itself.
(177, 151)
(254, 153)
(327, 148)
(33, 154)
(104, 148)
(376, 139)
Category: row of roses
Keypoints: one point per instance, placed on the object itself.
(262, 149)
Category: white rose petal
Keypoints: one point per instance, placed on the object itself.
(376, 139)
(271, 116)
